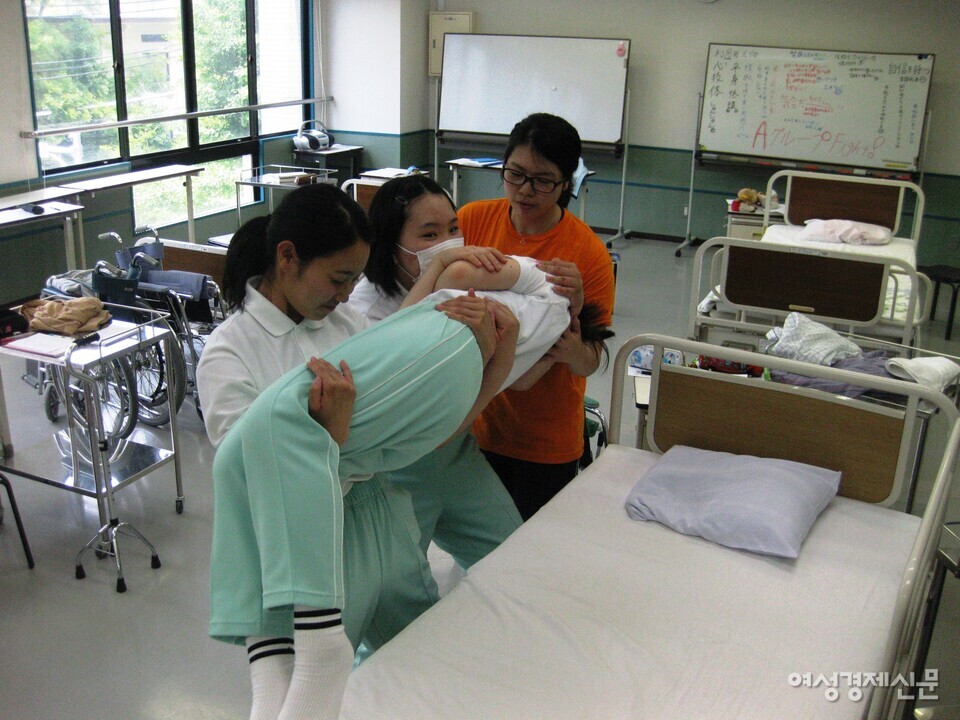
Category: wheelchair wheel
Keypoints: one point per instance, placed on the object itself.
(155, 375)
(51, 403)
(115, 391)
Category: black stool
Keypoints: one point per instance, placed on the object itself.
(16, 517)
(948, 275)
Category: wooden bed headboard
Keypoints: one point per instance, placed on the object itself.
(821, 198)
(730, 414)
(770, 278)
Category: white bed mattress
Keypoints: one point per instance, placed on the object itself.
(583, 613)
(902, 249)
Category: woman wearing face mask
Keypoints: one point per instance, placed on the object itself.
(533, 439)
(459, 501)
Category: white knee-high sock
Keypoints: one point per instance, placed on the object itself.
(271, 667)
(324, 658)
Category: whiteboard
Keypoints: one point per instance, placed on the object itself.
(858, 109)
(491, 82)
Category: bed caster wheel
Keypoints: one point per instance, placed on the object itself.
(80, 574)
(155, 561)
(121, 585)
(678, 253)
(101, 554)
(179, 507)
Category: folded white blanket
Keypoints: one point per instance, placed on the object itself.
(933, 372)
(846, 231)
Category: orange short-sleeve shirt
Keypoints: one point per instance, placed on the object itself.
(545, 423)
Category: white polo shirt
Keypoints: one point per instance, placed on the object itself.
(370, 301)
(254, 347)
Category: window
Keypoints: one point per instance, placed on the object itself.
(103, 61)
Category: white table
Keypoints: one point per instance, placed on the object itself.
(457, 165)
(138, 177)
(641, 396)
(12, 213)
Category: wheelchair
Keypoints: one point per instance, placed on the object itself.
(136, 387)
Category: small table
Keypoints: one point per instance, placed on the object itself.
(99, 465)
(137, 177)
(363, 189)
(748, 225)
(947, 275)
(465, 164)
(12, 213)
(641, 397)
(270, 178)
(334, 157)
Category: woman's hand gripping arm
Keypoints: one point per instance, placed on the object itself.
(331, 396)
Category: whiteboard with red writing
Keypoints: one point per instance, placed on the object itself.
(794, 106)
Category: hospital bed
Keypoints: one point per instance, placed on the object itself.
(755, 285)
(823, 196)
(585, 613)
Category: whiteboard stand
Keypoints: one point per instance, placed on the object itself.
(688, 240)
(621, 232)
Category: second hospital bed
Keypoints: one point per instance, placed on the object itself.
(585, 613)
(874, 290)
(742, 288)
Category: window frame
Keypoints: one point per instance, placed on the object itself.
(195, 152)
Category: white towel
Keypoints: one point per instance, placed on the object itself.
(933, 372)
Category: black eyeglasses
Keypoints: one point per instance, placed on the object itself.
(539, 184)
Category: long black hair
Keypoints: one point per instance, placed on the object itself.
(388, 213)
(318, 219)
(553, 139)
(593, 331)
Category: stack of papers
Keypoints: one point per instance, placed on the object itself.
(386, 173)
(47, 345)
(476, 162)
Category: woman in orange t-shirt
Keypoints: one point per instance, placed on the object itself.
(534, 438)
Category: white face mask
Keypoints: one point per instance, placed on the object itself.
(427, 255)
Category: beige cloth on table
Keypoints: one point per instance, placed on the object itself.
(66, 317)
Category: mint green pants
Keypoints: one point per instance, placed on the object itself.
(459, 500)
(279, 529)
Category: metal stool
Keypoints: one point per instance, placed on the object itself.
(948, 275)
(16, 516)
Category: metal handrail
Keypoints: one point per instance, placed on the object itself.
(35, 134)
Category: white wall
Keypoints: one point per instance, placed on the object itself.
(19, 155)
(362, 42)
(670, 39)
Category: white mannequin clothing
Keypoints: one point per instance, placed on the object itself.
(542, 313)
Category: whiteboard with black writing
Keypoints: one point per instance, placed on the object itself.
(490, 82)
(858, 109)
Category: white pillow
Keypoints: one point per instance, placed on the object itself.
(740, 501)
(806, 340)
(845, 231)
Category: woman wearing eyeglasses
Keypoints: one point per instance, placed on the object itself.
(534, 438)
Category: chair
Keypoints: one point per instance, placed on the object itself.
(16, 516)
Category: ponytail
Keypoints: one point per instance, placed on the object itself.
(248, 256)
(593, 331)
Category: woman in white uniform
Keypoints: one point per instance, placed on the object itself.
(417, 378)
(287, 278)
